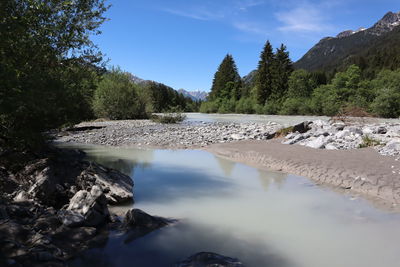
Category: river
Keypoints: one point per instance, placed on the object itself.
(263, 218)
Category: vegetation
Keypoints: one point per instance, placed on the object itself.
(171, 117)
(276, 89)
(48, 66)
(117, 97)
(368, 142)
(53, 75)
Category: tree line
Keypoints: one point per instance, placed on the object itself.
(276, 88)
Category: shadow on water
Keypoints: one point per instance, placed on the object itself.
(163, 183)
(171, 244)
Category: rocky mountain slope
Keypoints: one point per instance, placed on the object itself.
(334, 52)
(194, 95)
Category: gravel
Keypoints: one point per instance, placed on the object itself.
(151, 134)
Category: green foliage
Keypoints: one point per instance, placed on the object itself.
(282, 69)
(387, 103)
(295, 106)
(264, 76)
(369, 142)
(168, 118)
(284, 131)
(245, 105)
(226, 80)
(48, 66)
(117, 97)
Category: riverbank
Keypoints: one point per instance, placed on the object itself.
(326, 152)
(362, 171)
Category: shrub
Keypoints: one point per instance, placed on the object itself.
(387, 103)
(116, 97)
(168, 118)
(368, 142)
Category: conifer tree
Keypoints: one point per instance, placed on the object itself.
(227, 72)
(282, 69)
(264, 78)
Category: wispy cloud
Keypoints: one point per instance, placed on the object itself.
(198, 13)
(303, 19)
(252, 28)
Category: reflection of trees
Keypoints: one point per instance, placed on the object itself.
(226, 166)
(124, 160)
(268, 177)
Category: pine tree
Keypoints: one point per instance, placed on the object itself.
(227, 73)
(283, 67)
(264, 78)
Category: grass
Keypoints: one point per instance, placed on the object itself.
(284, 131)
(369, 142)
(168, 118)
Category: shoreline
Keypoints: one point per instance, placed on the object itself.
(359, 171)
(325, 152)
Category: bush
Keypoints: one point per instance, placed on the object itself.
(116, 97)
(168, 118)
(368, 142)
(245, 105)
(387, 103)
(295, 106)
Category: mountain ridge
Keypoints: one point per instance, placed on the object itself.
(330, 52)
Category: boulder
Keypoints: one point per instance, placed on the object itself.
(86, 208)
(302, 127)
(318, 142)
(117, 187)
(138, 218)
(208, 259)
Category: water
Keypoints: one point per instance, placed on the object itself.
(263, 218)
(283, 120)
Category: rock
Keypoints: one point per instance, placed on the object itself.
(381, 130)
(318, 142)
(302, 127)
(236, 136)
(86, 208)
(354, 130)
(22, 196)
(331, 146)
(116, 186)
(342, 134)
(138, 218)
(209, 259)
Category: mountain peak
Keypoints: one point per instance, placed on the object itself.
(387, 23)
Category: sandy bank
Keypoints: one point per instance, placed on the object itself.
(363, 171)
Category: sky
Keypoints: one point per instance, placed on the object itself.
(182, 42)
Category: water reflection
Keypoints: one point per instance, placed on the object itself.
(226, 166)
(159, 248)
(271, 178)
(165, 183)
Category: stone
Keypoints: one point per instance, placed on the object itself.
(317, 143)
(331, 146)
(138, 218)
(86, 208)
(302, 127)
(117, 187)
(22, 196)
(209, 259)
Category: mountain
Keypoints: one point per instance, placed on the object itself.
(194, 95)
(348, 47)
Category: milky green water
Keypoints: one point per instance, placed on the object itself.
(263, 218)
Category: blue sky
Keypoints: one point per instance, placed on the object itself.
(181, 42)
